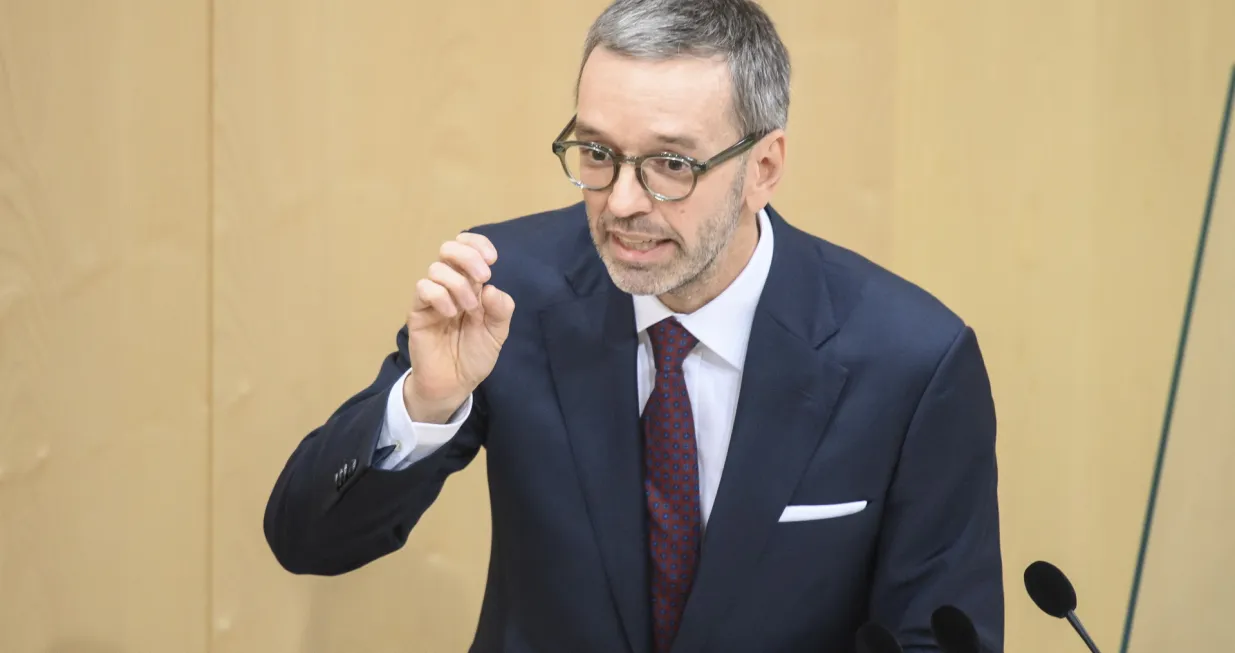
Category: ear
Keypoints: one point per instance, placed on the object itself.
(765, 166)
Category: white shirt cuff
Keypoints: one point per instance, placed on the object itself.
(414, 441)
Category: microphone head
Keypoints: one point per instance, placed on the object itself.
(1050, 589)
(873, 638)
(954, 631)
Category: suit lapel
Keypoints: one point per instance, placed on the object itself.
(592, 344)
(789, 387)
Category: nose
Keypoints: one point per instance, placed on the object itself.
(627, 197)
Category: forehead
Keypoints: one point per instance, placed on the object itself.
(637, 100)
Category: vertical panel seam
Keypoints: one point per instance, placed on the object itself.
(210, 326)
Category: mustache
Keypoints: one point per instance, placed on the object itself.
(635, 225)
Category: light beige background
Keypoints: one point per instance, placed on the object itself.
(212, 213)
(1187, 607)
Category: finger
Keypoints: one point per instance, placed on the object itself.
(431, 296)
(465, 259)
(480, 244)
(499, 307)
(460, 287)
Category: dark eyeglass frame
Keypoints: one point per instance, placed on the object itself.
(698, 168)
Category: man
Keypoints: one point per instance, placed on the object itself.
(706, 430)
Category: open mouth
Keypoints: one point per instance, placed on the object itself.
(638, 249)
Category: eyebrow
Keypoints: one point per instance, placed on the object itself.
(587, 132)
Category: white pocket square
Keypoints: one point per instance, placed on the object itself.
(822, 511)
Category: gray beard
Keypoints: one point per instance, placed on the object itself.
(688, 270)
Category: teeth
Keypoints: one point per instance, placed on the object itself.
(639, 245)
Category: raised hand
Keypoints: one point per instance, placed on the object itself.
(455, 329)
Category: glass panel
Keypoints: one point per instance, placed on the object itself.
(1184, 595)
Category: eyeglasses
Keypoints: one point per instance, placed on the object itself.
(667, 176)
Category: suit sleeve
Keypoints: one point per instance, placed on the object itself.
(403, 442)
(334, 507)
(939, 543)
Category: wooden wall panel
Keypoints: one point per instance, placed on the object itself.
(1051, 168)
(842, 139)
(103, 327)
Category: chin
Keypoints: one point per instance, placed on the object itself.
(640, 280)
(637, 280)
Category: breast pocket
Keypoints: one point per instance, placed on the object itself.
(816, 512)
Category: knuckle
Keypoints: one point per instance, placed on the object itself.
(440, 272)
(460, 258)
(471, 241)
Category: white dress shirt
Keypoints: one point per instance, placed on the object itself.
(713, 374)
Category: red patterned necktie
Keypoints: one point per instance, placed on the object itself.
(671, 481)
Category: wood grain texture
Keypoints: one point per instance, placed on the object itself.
(103, 327)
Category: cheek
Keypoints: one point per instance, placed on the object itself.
(684, 220)
(595, 202)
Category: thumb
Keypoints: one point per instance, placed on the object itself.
(498, 308)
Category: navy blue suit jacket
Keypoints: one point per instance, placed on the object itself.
(858, 386)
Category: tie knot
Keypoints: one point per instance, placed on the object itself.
(671, 342)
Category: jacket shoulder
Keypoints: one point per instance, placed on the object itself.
(553, 234)
(887, 309)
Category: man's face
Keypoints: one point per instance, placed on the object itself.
(634, 106)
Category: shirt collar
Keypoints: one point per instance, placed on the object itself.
(723, 324)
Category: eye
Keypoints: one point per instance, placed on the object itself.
(663, 165)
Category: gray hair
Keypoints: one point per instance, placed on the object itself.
(738, 30)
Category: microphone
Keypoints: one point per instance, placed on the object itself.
(1053, 593)
(873, 638)
(954, 631)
